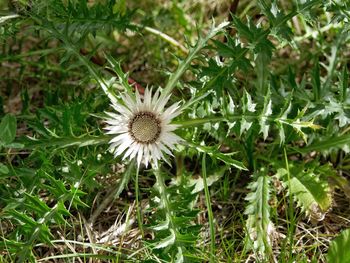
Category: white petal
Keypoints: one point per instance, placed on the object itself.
(121, 137)
(113, 122)
(147, 99)
(159, 153)
(115, 130)
(116, 125)
(117, 119)
(113, 115)
(154, 153)
(130, 150)
(136, 150)
(123, 110)
(164, 148)
(147, 155)
(159, 106)
(113, 146)
(129, 102)
(138, 100)
(170, 139)
(170, 113)
(155, 98)
(140, 155)
(170, 127)
(125, 144)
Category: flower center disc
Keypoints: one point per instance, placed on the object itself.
(145, 127)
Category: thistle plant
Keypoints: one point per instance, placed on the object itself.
(143, 127)
(138, 132)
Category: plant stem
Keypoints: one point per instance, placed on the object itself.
(138, 208)
(210, 211)
(290, 206)
(196, 122)
(163, 197)
(162, 35)
(10, 16)
(202, 41)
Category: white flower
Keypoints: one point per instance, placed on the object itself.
(142, 127)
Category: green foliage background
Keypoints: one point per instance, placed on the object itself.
(265, 98)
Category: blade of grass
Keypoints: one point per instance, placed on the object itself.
(210, 211)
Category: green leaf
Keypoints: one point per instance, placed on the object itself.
(296, 123)
(261, 230)
(198, 183)
(248, 104)
(201, 43)
(162, 225)
(8, 128)
(333, 106)
(278, 20)
(316, 80)
(34, 203)
(22, 218)
(119, 7)
(64, 142)
(267, 111)
(214, 153)
(3, 169)
(344, 83)
(243, 29)
(15, 145)
(245, 125)
(311, 192)
(166, 242)
(261, 66)
(339, 251)
(326, 144)
(179, 258)
(224, 50)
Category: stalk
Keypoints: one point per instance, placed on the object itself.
(160, 184)
(210, 211)
(201, 43)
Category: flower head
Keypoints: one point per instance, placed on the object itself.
(142, 127)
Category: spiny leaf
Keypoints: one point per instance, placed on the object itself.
(202, 41)
(22, 218)
(166, 242)
(63, 142)
(326, 144)
(248, 104)
(199, 184)
(339, 251)
(283, 115)
(311, 192)
(162, 225)
(179, 258)
(277, 19)
(172, 218)
(260, 228)
(267, 111)
(334, 107)
(214, 153)
(245, 125)
(256, 36)
(8, 128)
(297, 124)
